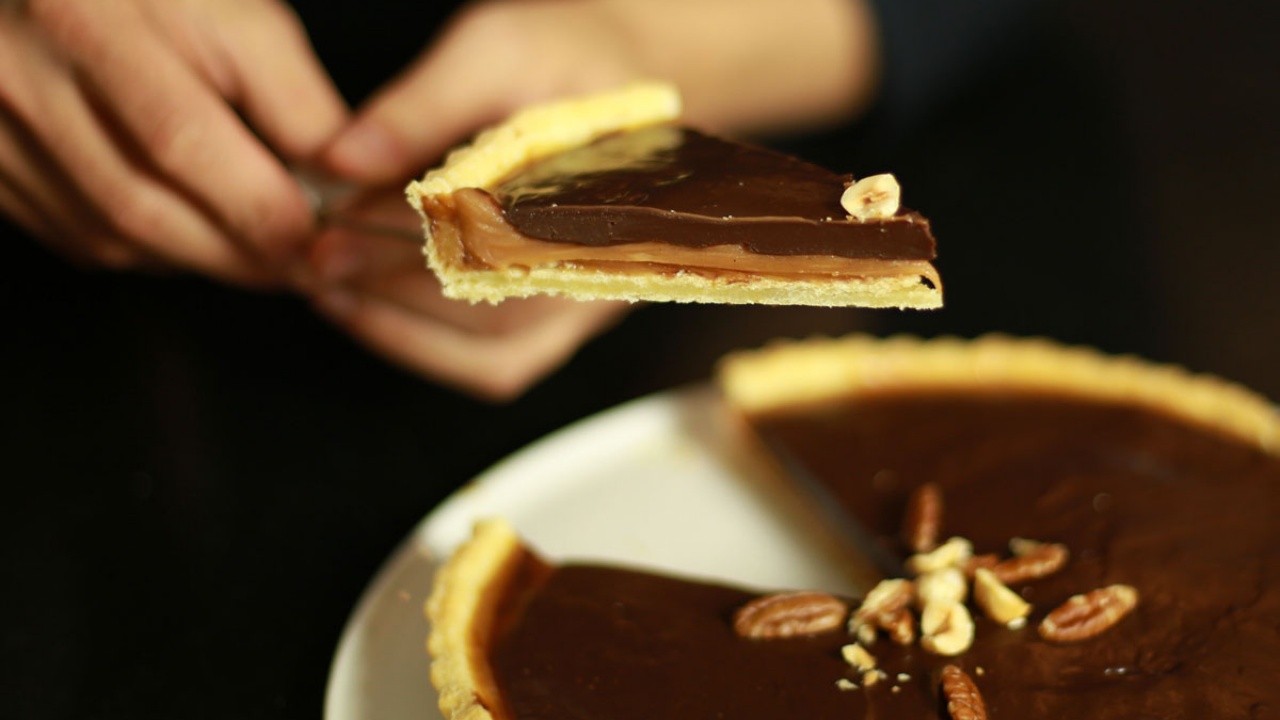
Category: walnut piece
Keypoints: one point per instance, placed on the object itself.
(1089, 614)
(790, 614)
(964, 702)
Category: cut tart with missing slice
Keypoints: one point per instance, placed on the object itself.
(1102, 545)
(607, 197)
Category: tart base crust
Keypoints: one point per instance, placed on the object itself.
(456, 609)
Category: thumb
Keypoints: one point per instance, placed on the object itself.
(436, 103)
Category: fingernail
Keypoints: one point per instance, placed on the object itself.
(365, 149)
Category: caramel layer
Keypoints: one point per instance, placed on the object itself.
(475, 234)
(1184, 515)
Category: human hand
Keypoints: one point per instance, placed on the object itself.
(754, 70)
(374, 285)
(150, 132)
(741, 66)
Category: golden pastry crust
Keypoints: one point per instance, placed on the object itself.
(793, 373)
(545, 129)
(456, 609)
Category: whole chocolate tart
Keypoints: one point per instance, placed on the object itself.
(606, 197)
(1109, 524)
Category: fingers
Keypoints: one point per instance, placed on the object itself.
(493, 366)
(393, 272)
(379, 290)
(194, 138)
(178, 123)
(274, 76)
(438, 100)
(74, 171)
(35, 194)
(490, 60)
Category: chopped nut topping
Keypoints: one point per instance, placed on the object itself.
(952, 553)
(881, 609)
(964, 702)
(999, 602)
(901, 626)
(872, 677)
(846, 684)
(946, 629)
(947, 585)
(858, 657)
(790, 614)
(872, 197)
(922, 524)
(1084, 616)
(864, 632)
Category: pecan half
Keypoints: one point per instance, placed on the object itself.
(964, 702)
(790, 614)
(1031, 561)
(1084, 616)
(922, 521)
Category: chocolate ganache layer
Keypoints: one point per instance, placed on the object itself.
(1182, 513)
(686, 188)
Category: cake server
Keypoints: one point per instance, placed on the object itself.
(868, 560)
(330, 199)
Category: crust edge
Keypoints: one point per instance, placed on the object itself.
(452, 610)
(541, 130)
(794, 372)
(906, 291)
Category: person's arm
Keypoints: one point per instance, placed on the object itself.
(155, 132)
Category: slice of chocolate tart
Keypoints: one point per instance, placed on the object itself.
(607, 197)
(1083, 536)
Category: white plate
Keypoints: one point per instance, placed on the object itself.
(655, 482)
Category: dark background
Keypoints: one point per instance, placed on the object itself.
(199, 482)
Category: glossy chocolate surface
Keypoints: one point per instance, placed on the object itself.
(683, 187)
(1185, 516)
